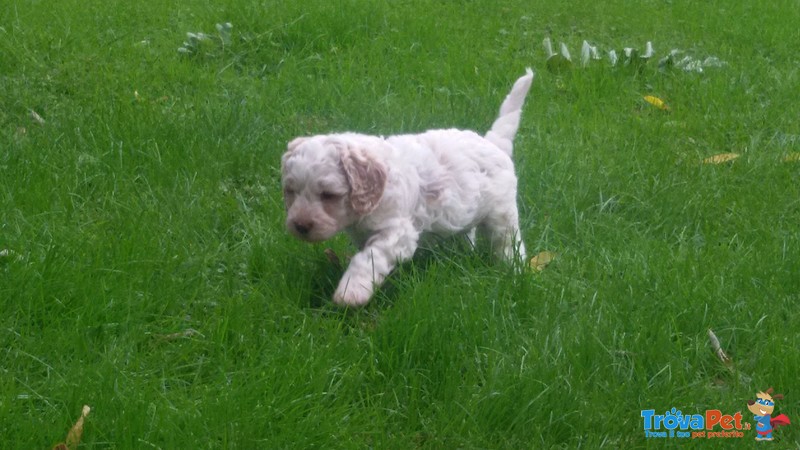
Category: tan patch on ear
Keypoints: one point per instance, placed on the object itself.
(366, 176)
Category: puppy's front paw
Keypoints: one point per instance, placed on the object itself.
(353, 291)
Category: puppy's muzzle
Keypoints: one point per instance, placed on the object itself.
(303, 227)
(306, 230)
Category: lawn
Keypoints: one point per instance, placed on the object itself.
(145, 270)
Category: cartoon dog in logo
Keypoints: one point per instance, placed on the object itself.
(762, 408)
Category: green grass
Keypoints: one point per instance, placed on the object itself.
(133, 219)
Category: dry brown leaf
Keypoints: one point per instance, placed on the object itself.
(189, 332)
(333, 257)
(75, 433)
(540, 261)
(8, 255)
(715, 345)
(36, 117)
(721, 158)
(74, 436)
(792, 157)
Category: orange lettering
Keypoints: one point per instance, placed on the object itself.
(713, 417)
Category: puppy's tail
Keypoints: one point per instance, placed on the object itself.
(505, 126)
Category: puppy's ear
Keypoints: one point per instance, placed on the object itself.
(366, 176)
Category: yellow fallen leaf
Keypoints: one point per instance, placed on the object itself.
(792, 157)
(540, 261)
(721, 158)
(75, 433)
(657, 102)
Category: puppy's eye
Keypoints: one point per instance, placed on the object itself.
(328, 196)
(288, 192)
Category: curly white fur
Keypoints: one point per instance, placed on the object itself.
(387, 192)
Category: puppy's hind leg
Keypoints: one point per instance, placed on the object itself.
(471, 237)
(505, 236)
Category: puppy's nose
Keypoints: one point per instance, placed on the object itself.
(303, 227)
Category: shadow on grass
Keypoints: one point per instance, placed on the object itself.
(435, 252)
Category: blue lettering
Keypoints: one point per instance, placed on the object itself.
(697, 422)
(647, 415)
(655, 434)
(671, 420)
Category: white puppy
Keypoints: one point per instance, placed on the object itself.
(386, 192)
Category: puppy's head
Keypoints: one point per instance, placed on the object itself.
(329, 182)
